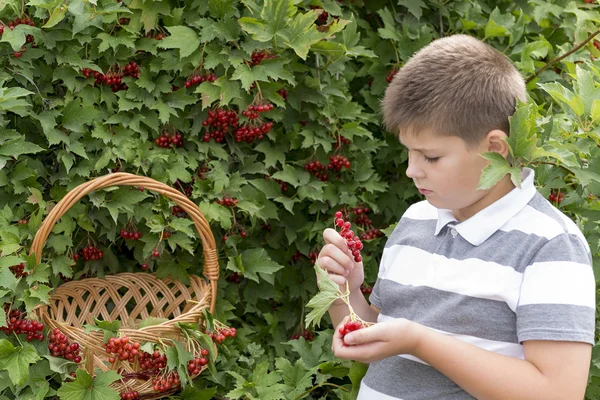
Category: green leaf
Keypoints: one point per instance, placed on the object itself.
(195, 393)
(277, 14)
(496, 170)
(86, 388)
(183, 38)
(18, 146)
(16, 360)
(57, 15)
(257, 262)
(522, 138)
(59, 364)
(75, 116)
(294, 176)
(415, 7)
(7, 278)
(151, 321)
(329, 292)
(297, 377)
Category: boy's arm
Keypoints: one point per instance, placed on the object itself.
(551, 369)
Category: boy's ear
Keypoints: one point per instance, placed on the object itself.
(496, 142)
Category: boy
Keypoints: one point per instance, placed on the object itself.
(480, 294)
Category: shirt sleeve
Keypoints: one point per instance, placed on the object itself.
(558, 293)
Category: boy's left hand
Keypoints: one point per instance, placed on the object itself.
(376, 342)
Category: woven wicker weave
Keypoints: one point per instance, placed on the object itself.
(128, 297)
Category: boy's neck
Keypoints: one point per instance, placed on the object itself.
(500, 190)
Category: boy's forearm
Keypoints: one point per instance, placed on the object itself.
(339, 310)
(484, 374)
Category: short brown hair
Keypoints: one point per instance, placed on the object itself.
(456, 86)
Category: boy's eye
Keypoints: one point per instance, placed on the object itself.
(431, 160)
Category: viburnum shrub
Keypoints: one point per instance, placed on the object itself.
(173, 90)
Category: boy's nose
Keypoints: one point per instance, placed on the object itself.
(413, 171)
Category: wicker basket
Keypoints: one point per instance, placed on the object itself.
(76, 303)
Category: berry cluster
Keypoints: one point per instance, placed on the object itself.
(199, 78)
(361, 216)
(366, 289)
(152, 362)
(284, 186)
(195, 365)
(340, 141)
(218, 123)
(312, 256)
(350, 326)
(317, 169)
(227, 201)
(23, 221)
(60, 346)
(255, 128)
(372, 233)
(132, 235)
(306, 334)
(220, 334)
(131, 395)
(283, 93)
(556, 197)
(28, 39)
(155, 35)
(18, 270)
(258, 56)
(166, 382)
(121, 349)
(391, 74)
(202, 172)
(233, 278)
(353, 242)
(337, 162)
(165, 140)
(19, 325)
(90, 253)
(178, 212)
(114, 79)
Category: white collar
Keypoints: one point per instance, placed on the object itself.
(486, 222)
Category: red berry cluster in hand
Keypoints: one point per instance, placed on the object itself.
(306, 334)
(91, 253)
(234, 278)
(132, 235)
(220, 334)
(195, 365)
(18, 270)
(166, 382)
(317, 169)
(556, 197)
(218, 122)
(19, 325)
(391, 74)
(227, 201)
(353, 242)
(350, 326)
(255, 128)
(371, 234)
(199, 78)
(283, 93)
(258, 56)
(165, 140)
(121, 349)
(152, 362)
(60, 346)
(337, 162)
(284, 186)
(131, 395)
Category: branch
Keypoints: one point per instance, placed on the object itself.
(557, 59)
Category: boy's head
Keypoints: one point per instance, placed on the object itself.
(453, 96)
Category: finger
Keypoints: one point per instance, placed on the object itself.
(333, 237)
(333, 266)
(341, 256)
(363, 336)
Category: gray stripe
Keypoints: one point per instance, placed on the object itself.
(565, 247)
(411, 380)
(449, 312)
(539, 203)
(556, 322)
(513, 249)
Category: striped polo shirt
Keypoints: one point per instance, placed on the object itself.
(517, 270)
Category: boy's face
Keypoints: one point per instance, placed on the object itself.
(446, 172)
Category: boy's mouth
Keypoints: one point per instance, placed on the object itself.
(425, 191)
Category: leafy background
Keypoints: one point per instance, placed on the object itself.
(325, 75)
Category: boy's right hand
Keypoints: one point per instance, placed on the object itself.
(337, 260)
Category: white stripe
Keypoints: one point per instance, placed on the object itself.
(559, 282)
(531, 221)
(473, 277)
(505, 348)
(421, 210)
(366, 393)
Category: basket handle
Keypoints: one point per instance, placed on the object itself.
(211, 265)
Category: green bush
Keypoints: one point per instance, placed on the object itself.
(324, 66)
